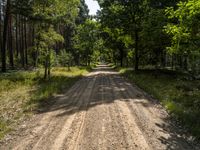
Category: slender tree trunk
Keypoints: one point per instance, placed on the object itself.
(49, 66)
(35, 53)
(186, 63)
(0, 26)
(16, 37)
(6, 21)
(25, 42)
(10, 39)
(22, 42)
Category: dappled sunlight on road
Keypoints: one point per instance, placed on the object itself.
(102, 111)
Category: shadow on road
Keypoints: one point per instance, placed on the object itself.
(109, 87)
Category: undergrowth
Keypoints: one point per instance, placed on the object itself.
(21, 92)
(179, 95)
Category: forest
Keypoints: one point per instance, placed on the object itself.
(48, 45)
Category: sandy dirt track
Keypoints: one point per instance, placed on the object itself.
(100, 112)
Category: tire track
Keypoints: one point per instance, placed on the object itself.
(134, 137)
(142, 115)
(59, 140)
(100, 112)
(46, 120)
(116, 138)
(59, 119)
(102, 139)
(92, 120)
(72, 140)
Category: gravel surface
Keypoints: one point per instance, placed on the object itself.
(101, 111)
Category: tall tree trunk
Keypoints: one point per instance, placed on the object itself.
(35, 44)
(16, 37)
(1, 26)
(6, 21)
(10, 43)
(25, 43)
(47, 66)
(21, 42)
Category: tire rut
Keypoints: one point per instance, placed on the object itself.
(134, 137)
(153, 134)
(101, 111)
(47, 120)
(71, 141)
(59, 119)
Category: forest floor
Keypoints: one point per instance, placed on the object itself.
(101, 111)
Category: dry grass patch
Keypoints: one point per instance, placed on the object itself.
(24, 91)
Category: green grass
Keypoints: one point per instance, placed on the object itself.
(180, 96)
(21, 92)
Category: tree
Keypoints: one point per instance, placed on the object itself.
(6, 22)
(126, 16)
(47, 37)
(65, 59)
(184, 32)
(46, 40)
(85, 39)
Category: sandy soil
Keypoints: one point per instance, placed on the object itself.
(101, 111)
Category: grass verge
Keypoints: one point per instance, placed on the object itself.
(21, 92)
(180, 96)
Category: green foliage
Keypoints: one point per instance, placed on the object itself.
(83, 13)
(185, 31)
(55, 10)
(51, 13)
(152, 33)
(86, 40)
(46, 38)
(64, 58)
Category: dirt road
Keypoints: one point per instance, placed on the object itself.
(101, 111)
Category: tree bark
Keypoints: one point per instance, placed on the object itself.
(6, 21)
(16, 37)
(47, 66)
(0, 27)
(10, 43)
(22, 42)
(25, 43)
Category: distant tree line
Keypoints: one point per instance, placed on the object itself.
(147, 33)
